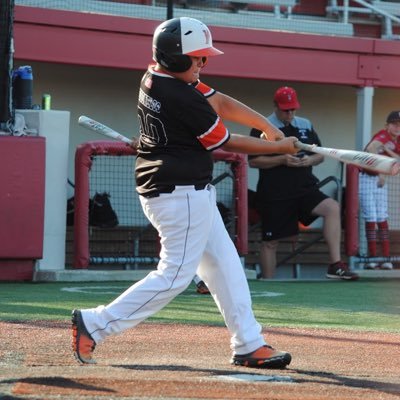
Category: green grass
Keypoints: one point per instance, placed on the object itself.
(369, 305)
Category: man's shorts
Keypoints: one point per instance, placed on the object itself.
(280, 219)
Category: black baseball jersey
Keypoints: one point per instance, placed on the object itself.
(283, 182)
(178, 130)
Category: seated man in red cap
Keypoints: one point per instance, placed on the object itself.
(288, 193)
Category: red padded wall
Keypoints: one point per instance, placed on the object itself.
(22, 183)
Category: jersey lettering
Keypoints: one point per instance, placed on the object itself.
(152, 129)
(148, 102)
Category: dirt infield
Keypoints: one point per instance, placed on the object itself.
(156, 361)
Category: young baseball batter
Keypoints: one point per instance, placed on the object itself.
(373, 191)
(181, 122)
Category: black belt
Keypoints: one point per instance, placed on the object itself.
(171, 188)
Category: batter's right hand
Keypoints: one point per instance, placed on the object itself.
(287, 146)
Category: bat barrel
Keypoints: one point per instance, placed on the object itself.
(374, 162)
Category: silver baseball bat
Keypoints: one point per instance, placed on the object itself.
(98, 127)
(373, 162)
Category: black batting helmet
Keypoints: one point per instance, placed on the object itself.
(178, 38)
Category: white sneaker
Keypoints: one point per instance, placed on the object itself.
(386, 265)
(371, 265)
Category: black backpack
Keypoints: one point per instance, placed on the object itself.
(101, 213)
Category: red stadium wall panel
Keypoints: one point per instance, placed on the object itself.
(98, 244)
(22, 181)
(289, 56)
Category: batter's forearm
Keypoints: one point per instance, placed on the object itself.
(251, 145)
(233, 110)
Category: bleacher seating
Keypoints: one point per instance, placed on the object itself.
(388, 6)
(277, 5)
(270, 14)
(330, 18)
(383, 12)
(119, 241)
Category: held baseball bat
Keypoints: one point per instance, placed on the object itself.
(98, 127)
(373, 162)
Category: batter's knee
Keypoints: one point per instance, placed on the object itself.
(328, 207)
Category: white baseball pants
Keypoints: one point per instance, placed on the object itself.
(193, 240)
(373, 199)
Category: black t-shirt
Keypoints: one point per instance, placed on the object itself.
(284, 182)
(178, 130)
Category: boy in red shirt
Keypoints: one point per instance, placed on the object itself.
(373, 191)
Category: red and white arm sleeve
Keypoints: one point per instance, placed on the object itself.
(216, 136)
(204, 89)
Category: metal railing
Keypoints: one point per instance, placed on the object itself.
(384, 11)
(255, 14)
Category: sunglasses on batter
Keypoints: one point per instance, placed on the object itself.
(202, 59)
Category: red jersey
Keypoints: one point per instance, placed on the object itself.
(385, 138)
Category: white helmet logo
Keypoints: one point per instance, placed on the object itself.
(207, 36)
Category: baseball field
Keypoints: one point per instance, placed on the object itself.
(344, 338)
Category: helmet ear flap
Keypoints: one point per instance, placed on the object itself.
(173, 63)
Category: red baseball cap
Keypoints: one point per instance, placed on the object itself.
(286, 98)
